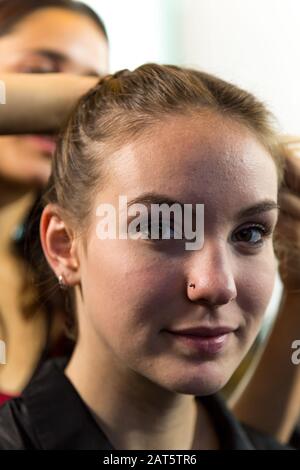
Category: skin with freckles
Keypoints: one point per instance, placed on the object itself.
(132, 293)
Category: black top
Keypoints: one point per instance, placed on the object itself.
(51, 415)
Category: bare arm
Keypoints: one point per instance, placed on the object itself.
(39, 103)
(271, 400)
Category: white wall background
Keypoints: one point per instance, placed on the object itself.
(254, 43)
(137, 29)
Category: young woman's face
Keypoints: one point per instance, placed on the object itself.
(49, 40)
(135, 291)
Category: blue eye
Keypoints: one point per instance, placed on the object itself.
(253, 235)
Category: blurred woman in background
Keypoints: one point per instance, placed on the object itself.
(37, 37)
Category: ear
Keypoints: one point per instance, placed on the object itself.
(59, 245)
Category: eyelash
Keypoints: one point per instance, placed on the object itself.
(40, 69)
(148, 225)
(265, 231)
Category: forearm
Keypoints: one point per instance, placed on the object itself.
(40, 103)
(270, 402)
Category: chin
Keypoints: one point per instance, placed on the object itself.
(205, 380)
(200, 387)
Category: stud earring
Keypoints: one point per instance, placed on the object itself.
(61, 282)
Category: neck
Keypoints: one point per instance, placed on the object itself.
(132, 411)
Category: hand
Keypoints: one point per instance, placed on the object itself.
(287, 232)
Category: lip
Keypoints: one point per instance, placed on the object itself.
(206, 331)
(44, 143)
(205, 340)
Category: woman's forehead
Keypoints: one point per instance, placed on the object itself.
(228, 175)
(194, 156)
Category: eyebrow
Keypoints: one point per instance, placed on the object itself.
(156, 198)
(59, 57)
(263, 206)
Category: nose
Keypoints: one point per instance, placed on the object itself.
(211, 277)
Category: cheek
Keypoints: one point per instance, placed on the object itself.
(128, 288)
(256, 289)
